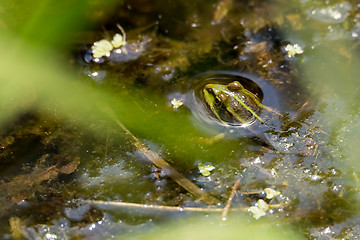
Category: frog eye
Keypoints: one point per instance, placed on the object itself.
(234, 86)
(209, 89)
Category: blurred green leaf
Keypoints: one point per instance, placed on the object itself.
(336, 78)
(32, 78)
(53, 23)
(236, 228)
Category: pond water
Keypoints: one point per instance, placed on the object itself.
(150, 129)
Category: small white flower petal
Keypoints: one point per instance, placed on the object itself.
(262, 205)
(271, 193)
(101, 48)
(292, 50)
(205, 170)
(257, 212)
(118, 41)
(176, 103)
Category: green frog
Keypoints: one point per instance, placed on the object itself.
(232, 104)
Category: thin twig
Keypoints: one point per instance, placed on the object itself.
(295, 116)
(229, 201)
(162, 164)
(146, 207)
(110, 205)
(122, 31)
(272, 110)
(250, 193)
(300, 110)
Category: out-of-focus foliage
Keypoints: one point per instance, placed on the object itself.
(193, 229)
(334, 76)
(52, 23)
(328, 33)
(29, 72)
(46, 83)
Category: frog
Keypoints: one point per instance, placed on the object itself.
(232, 104)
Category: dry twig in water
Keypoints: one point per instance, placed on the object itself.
(162, 164)
(109, 205)
(228, 203)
